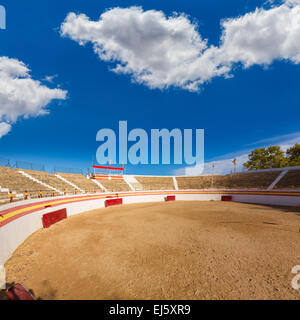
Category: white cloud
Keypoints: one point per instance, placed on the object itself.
(155, 49)
(262, 36)
(162, 51)
(50, 79)
(20, 95)
(288, 139)
(224, 165)
(4, 129)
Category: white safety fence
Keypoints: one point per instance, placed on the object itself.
(2, 278)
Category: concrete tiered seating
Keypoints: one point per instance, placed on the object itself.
(290, 181)
(4, 197)
(194, 183)
(255, 180)
(51, 180)
(16, 182)
(156, 183)
(82, 182)
(115, 185)
(136, 186)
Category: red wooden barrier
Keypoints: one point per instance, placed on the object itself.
(226, 198)
(53, 217)
(19, 292)
(170, 198)
(113, 202)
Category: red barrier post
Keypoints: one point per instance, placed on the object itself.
(53, 217)
(226, 198)
(26, 195)
(11, 198)
(19, 292)
(113, 202)
(170, 198)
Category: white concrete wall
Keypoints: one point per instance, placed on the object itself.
(198, 197)
(15, 233)
(84, 206)
(268, 199)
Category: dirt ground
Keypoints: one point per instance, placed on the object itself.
(176, 250)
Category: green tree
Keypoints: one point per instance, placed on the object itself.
(293, 155)
(266, 158)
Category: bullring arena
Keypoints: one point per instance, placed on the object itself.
(206, 237)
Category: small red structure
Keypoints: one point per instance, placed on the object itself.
(226, 198)
(107, 173)
(53, 217)
(19, 292)
(113, 202)
(170, 198)
(11, 198)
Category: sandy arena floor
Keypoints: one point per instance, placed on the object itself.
(179, 250)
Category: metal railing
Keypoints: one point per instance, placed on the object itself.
(4, 162)
(29, 166)
(67, 170)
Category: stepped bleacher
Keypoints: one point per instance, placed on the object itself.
(115, 185)
(255, 180)
(194, 183)
(290, 181)
(51, 180)
(156, 183)
(135, 184)
(82, 182)
(4, 197)
(14, 181)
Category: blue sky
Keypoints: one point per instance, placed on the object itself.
(238, 112)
